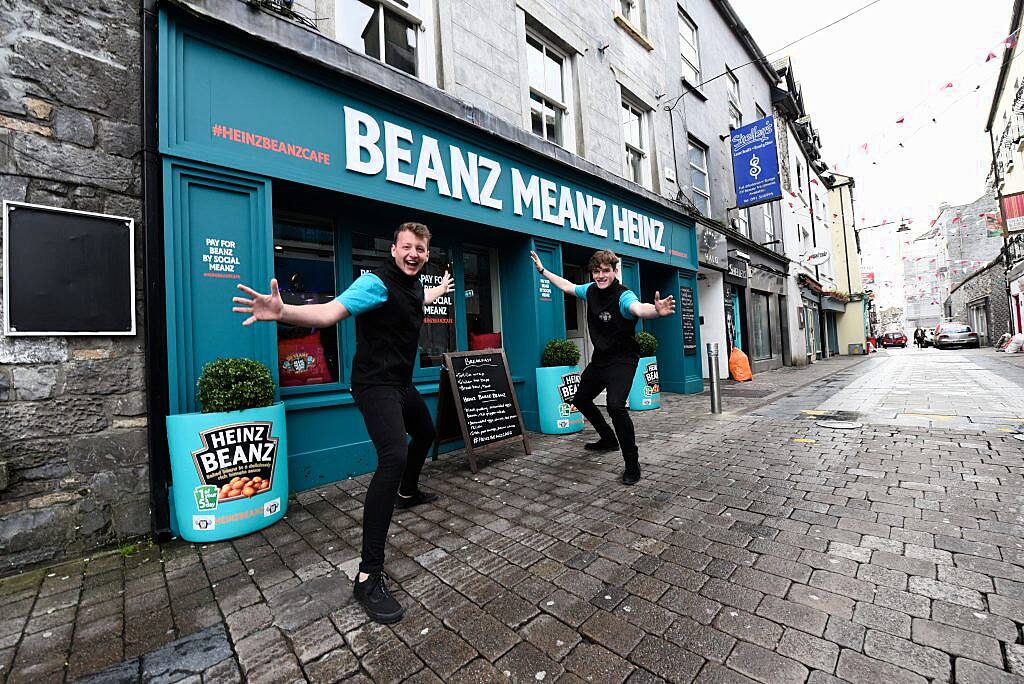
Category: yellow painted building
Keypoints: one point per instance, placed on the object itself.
(851, 325)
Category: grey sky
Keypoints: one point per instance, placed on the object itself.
(861, 75)
(891, 60)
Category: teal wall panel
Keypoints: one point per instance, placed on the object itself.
(223, 103)
(212, 216)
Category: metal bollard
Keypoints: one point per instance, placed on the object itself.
(716, 387)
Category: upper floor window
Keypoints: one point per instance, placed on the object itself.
(698, 155)
(689, 54)
(383, 29)
(634, 134)
(732, 84)
(760, 112)
(735, 118)
(769, 223)
(632, 11)
(741, 222)
(549, 108)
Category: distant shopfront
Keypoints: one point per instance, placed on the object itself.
(274, 167)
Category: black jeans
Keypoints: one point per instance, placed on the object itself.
(390, 413)
(617, 378)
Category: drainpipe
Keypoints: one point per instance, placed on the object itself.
(153, 274)
(1006, 242)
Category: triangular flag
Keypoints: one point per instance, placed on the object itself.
(864, 147)
(1011, 40)
(814, 181)
(990, 57)
(900, 120)
(949, 84)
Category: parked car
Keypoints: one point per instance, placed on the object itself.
(955, 334)
(894, 339)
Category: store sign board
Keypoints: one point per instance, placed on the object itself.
(1013, 212)
(315, 134)
(817, 257)
(755, 163)
(712, 247)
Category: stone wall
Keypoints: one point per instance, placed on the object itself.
(987, 287)
(73, 457)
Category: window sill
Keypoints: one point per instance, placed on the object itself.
(694, 89)
(633, 31)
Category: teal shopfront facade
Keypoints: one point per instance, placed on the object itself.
(274, 166)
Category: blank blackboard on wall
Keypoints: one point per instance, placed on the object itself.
(67, 272)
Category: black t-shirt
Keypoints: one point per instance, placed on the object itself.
(611, 333)
(388, 336)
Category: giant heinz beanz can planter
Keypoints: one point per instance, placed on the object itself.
(229, 471)
(556, 388)
(645, 394)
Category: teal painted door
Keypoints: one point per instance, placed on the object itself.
(737, 318)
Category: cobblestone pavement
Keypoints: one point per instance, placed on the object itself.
(758, 547)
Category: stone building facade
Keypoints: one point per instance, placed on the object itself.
(73, 437)
(980, 301)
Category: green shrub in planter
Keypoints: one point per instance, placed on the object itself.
(648, 343)
(235, 385)
(560, 353)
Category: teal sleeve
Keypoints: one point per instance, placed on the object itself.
(365, 294)
(581, 290)
(627, 299)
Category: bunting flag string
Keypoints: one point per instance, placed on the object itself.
(1007, 43)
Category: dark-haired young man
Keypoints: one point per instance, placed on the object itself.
(388, 306)
(612, 312)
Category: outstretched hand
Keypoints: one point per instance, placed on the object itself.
(536, 262)
(446, 286)
(262, 307)
(666, 306)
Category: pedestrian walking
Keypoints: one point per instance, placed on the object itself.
(388, 306)
(612, 313)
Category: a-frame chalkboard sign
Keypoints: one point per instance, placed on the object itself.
(477, 402)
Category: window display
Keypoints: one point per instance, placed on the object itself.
(304, 268)
(438, 333)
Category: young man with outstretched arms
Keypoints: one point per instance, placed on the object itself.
(388, 306)
(612, 312)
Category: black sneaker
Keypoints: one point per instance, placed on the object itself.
(376, 600)
(602, 445)
(420, 497)
(631, 475)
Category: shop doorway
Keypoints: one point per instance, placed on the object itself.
(576, 313)
(735, 325)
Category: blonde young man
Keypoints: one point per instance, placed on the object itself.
(612, 312)
(388, 306)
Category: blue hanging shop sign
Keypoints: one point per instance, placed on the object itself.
(755, 163)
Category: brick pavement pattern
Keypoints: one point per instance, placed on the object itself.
(755, 549)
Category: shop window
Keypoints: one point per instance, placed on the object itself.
(699, 177)
(481, 322)
(549, 102)
(689, 53)
(761, 330)
(304, 268)
(438, 333)
(383, 29)
(634, 134)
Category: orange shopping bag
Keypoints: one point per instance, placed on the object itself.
(739, 366)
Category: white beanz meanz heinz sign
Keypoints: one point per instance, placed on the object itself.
(418, 161)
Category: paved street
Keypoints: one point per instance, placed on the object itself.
(760, 546)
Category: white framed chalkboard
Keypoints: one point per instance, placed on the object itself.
(67, 272)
